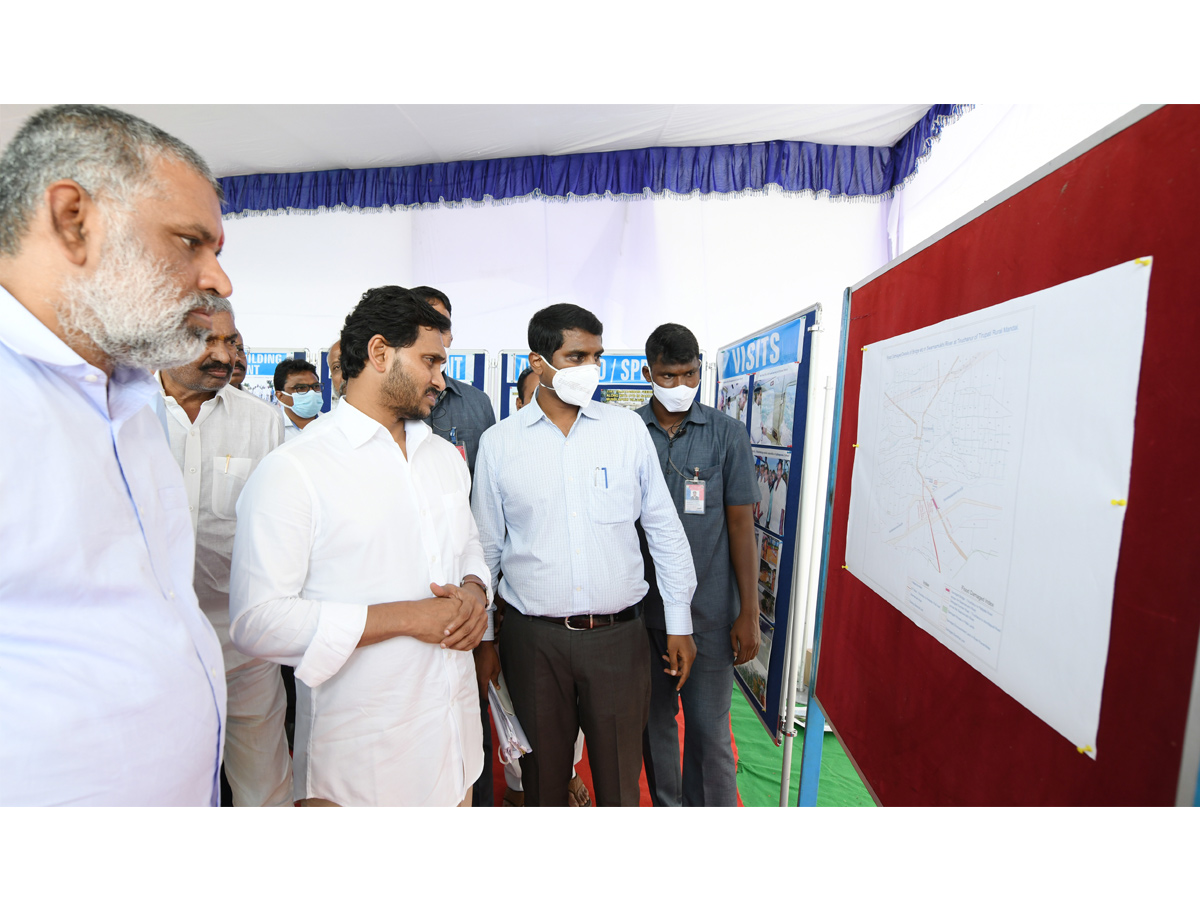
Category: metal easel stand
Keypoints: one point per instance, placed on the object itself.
(816, 461)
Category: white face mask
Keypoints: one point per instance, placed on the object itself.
(574, 384)
(676, 399)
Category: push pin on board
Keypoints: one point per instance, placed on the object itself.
(1143, 260)
(1085, 749)
(864, 349)
(1118, 503)
(854, 445)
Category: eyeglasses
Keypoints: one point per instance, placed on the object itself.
(303, 389)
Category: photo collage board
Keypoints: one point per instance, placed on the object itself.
(763, 383)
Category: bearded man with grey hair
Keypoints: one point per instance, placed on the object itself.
(112, 690)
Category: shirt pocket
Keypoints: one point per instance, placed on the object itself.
(619, 502)
(714, 489)
(229, 477)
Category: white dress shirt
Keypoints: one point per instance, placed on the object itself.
(329, 524)
(216, 453)
(556, 513)
(291, 430)
(112, 688)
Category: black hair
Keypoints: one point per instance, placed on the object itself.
(391, 312)
(671, 344)
(547, 326)
(428, 294)
(289, 366)
(525, 375)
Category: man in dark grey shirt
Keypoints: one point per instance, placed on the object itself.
(706, 460)
(462, 414)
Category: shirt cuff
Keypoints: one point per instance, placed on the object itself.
(339, 629)
(490, 633)
(678, 618)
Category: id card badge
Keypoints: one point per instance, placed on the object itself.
(461, 448)
(693, 496)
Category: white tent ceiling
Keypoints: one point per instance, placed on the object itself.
(249, 139)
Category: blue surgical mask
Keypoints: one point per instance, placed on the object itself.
(305, 405)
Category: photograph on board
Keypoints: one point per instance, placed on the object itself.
(772, 473)
(733, 397)
(755, 677)
(630, 398)
(766, 603)
(773, 405)
(768, 567)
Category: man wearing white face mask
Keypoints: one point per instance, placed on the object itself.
(558, 487)
(706, 460)
(298, 390)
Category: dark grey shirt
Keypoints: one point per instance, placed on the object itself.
(468, 411)
(720, 447)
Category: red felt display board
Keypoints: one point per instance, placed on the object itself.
(922, 725)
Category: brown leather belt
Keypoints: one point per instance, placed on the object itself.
(588, 621)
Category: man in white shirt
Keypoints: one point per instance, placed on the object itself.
(356, 560)
(558, 487)
(778, 500)
(298, 390)
(218, 436)
(111, 687)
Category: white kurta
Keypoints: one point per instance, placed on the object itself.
(329, 524)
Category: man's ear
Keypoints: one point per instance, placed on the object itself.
(73, 219)
(535, 363)
(646, 375)
(377, 351)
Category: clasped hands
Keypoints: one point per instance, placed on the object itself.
(454, 617)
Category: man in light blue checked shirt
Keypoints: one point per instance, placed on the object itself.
(558, 488)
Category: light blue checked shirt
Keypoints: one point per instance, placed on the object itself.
(556, 513)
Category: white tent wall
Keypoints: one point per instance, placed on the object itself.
(991, 147)
(295, 277)
(721, 267)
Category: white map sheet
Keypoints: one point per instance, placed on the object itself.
(990, 449)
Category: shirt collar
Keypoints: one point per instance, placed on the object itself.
(359, 428)
(452, 386)
(697, 415)
(24, 334)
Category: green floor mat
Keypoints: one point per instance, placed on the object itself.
(760, 763)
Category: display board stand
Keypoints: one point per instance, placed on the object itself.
(920, 725)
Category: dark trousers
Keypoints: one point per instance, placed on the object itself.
(561, 680)
(484, 793)
(709, 776)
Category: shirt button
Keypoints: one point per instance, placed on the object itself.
(212, 670)
(577, 552)
(171, 594)
(191, 509)
(193, 432)
(579, 589)
(91, 379)
(572, 515)
(193, 469)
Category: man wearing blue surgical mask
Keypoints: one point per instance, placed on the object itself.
(298, 390)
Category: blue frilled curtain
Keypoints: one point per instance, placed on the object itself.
(792, 167)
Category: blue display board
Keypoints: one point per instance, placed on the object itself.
(260, 370)
(763, 383)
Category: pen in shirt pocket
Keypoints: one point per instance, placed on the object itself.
(596, 476)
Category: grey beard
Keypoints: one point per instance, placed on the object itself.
(131, 308)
